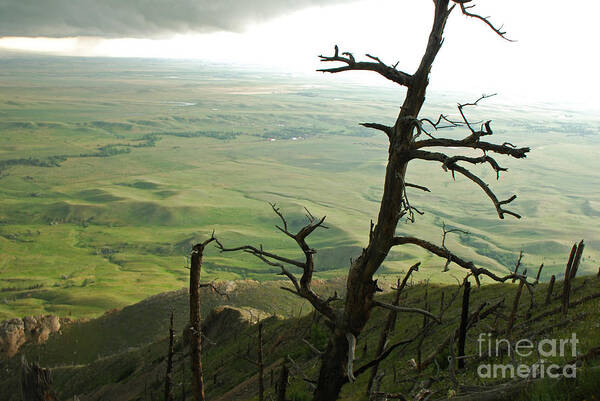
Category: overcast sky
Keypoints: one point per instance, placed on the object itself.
(555, 56)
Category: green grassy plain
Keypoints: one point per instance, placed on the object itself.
(111, 169)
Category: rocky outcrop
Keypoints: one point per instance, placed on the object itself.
(31, 329)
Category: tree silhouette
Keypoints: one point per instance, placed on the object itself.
(410, 138)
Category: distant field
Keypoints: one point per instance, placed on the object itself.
(110, 170)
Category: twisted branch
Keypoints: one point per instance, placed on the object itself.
(302, 287)
(466, 12)
(389, 72)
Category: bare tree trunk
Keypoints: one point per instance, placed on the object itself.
(169, 374)
(515, 308)
(332, 374)
(195, 327)
(577, 260)
(550, 290)
(570, 271)
(261, 381)
(539, 273)
(464, 324)
(36, 383)
(347, 322)
(360, 284)
(283, 381)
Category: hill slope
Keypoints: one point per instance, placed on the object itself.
(122, 355)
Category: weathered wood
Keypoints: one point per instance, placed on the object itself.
(515, 308)
(518, 265)
(348, 321)
(169, 374)
(195, 324)
(464, 323)
(570, 272)
(577, 260)
(539, 273)
(550, 290)
(567, 281)
(282, 384)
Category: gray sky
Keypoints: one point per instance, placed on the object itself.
(553, 59)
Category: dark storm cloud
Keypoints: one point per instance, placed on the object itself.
(139, 18)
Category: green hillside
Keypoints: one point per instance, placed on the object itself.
(122, 355)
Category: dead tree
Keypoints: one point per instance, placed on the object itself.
(570, 272)
(410, 138)
(283, 381)
(550, 290)
(539, 273)
(464, 323)
(515, 308)
(169, 374)
(195, 324)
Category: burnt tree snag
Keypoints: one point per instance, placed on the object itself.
(169, 374)
(410, 138)
(464, 323)
(515, 308)
(283, 381)
(539, 273)
(195, 324)
(570, 272)
(550, 290)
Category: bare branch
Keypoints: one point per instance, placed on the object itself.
(386, 71)
(314, 349)
(465, 11)
(261, 254)
(468, 124)
(444, 234)
(444, 253)
(442, 118)
(497, 204)
(473, 140)
(303, 286)
(387, 129)
(450, 161)
(422, 188)
(382, 356)
(406, 310)
(283, 220)
(447, 163)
